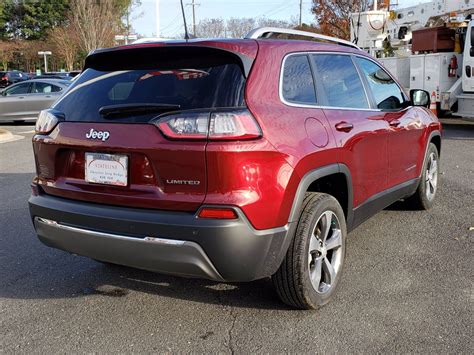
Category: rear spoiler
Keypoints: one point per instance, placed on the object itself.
(165, 57)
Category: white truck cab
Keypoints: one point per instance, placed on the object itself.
(468, 60)
(465, 98)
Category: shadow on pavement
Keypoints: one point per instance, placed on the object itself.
(31, 270)
(458, 130)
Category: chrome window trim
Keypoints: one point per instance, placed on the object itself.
(293, 104)
(280, 89)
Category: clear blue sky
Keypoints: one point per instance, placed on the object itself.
(143, 17)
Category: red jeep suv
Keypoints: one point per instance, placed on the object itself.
(231, 160)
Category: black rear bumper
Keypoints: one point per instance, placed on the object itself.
(175, 243)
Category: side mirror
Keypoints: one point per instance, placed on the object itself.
(420, 98)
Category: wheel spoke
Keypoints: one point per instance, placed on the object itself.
(314, 244)
(329, 272)
(335, 241)
(315, 274)
(433, 168)
(432, 186)
(326, 220)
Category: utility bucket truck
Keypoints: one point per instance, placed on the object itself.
(428, 46)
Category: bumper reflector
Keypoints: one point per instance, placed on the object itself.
(217, 213)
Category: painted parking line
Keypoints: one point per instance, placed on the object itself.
(11, 138)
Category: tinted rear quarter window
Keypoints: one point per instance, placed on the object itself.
(297, 83)
(340, 80)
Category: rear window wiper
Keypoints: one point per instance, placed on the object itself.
(137, 109)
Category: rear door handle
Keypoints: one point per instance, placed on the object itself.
(344, 126)
(394, 123)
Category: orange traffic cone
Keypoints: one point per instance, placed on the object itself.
(433, 104)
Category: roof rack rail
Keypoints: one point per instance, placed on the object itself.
(266, 32)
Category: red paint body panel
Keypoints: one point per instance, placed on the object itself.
(363, 150)
(259, 176)
(153, 159)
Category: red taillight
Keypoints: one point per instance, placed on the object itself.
(189, 125)
(233, 126)
(217, 213)
(4, 78)
(218, 125)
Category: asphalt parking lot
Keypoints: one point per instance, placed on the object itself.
(407, 284)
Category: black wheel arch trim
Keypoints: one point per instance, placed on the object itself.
(313, 175)
(433, 134)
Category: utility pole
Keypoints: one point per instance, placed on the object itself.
(157, 14)
(128, 26)
(301, 12)
(193, 4)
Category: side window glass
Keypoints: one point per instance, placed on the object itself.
(43, 88)
(298, 84)
(387, 93)
(17, 90)
(340, 81)
(55, 88)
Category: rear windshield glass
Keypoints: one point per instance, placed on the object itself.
(181, 88)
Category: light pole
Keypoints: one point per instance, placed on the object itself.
(45, 54)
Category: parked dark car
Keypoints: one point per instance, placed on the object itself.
(52, 76)
(11, 77)
(231, 160)
(58, 75)
(23, 101)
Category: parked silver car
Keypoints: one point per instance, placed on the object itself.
(23, 101)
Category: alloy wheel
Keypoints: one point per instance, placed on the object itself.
(325, 252)
(431, 176)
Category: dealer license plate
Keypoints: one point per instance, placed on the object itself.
(110, 169)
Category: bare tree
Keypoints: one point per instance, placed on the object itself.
(266, 22)
(239, 27)
(29, 52)
(95, 22)
(66, 44)
(211, 28)
(7, 52)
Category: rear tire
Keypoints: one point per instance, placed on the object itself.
(425, 194)
(311, 270)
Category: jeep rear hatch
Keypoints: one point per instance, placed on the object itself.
(133, 128)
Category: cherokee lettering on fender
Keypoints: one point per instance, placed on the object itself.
(102, 135)
(182, 182)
